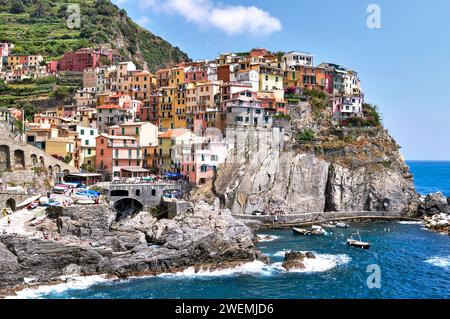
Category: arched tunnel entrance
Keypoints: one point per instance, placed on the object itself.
(11, 204)
(127, 207)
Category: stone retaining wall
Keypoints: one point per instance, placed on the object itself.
(310, 218)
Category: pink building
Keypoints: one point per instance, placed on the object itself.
(201, 156)
(114, 153)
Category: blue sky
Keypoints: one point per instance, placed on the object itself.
(404, 66)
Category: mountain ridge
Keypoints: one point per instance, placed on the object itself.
(39, 27)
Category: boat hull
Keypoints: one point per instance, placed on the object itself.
(358, 244)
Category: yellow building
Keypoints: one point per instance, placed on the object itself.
(179, 117)
(165, 148)
(14, 60)
(142, 85)
(66, 148)
(166, 108)
(270, 78)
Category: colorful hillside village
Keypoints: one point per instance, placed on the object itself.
(125, 122)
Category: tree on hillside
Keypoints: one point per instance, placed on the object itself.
(41, 10)
(29, 109)
(17, 7)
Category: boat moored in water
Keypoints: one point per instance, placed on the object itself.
(315, 230)
(358, 243)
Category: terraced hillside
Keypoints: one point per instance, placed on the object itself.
(39, 26)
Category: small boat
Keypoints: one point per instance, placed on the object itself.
(28, 201)
(44, 201)
(33, 205)
(329, 225)
(85, 201)
(315, 230)
(54, 203)
(342, 225)
(357, 243)
(301, 231)
(38, 221)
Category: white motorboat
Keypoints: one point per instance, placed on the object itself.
(357, 242)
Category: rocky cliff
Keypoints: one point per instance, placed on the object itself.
(328, 168)
(90, 242)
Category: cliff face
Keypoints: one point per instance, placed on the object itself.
(341, 169)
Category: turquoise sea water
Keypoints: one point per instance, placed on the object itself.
(414, 263)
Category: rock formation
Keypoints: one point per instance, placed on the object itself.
(342, 169)
(92, 243)
(295, 260)
(435, 210)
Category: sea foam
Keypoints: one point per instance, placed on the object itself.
(75, 283)
(410, 222)
(322, 262)
(443, 262)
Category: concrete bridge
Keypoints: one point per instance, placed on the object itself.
(145, 195)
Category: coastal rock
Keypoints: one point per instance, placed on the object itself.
(94, 244)
(295, 260)
(432, 204)
(293, 182)
(368, 188)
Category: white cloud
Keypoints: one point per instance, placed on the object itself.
(205, 13)
(244, 19)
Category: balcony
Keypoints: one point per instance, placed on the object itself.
(122, 145)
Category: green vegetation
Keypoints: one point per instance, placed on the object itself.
(28, 91)
(371, 114)
(30, 110)
(39, 27)
(306, 135)
(68, 159)
(371, 118)
(319, 100)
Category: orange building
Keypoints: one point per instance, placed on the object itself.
(306, 77)
(142, 85)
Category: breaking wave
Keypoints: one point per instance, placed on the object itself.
(73, 283)
(443, 262)
(322, 262)
(409, 222)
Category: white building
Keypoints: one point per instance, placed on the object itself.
(347, 106)
(295, 58)
(250, 78)
(244, 109)
(88, 137)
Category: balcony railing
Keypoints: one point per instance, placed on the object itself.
(122, 145)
